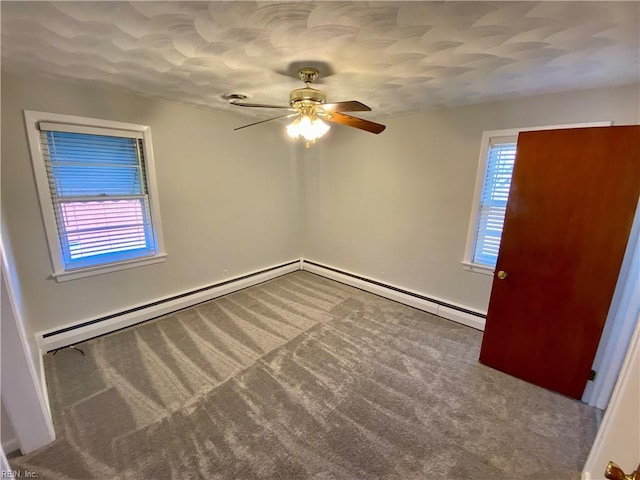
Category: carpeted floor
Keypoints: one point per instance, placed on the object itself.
(302, 378)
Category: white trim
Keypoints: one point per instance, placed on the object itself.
(511, 132)
(605, 446)
(480, 174)
(48, 215)
(111, 267)
(153, 193)
(119, 321)
(476, 267)
(43, 382)
(22, 396)
(32, 120)
(620, 324)
(77, 120)
(82, 128)
(11, 445)
(461, 317)
(4, 464)
(419, 303)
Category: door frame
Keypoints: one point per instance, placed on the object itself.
(614, 441)
(4, 463)
(22, 393)
(620, 324)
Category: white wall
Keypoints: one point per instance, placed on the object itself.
(228, 200)
(400, 202)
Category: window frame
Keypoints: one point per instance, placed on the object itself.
(487, 137)
(84, 125)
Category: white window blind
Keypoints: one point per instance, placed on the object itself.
(98, 187)
(493, 200)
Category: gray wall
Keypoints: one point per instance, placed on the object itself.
(396, 206)
(228, 201)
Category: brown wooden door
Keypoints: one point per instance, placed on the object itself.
(571, 205)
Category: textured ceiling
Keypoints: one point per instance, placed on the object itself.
(396, 57)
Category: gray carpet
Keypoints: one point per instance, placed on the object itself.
(302, 378)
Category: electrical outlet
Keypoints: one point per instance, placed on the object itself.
(225, 273)
(383, 274)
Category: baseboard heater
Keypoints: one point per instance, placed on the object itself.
(442, 308)
(85, 330)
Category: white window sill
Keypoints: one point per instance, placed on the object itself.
(477, 268)
(112, 267)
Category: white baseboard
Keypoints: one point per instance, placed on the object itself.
(43, 383)
(417, 300)
(10, 446)
(464, 318)
(159, 307)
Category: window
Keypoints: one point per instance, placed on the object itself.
(497, 159)
(500, 158)
(97, 193)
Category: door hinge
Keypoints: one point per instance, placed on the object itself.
(592, 375)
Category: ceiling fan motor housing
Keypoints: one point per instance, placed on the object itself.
(307, 95)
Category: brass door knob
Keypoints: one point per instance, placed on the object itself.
(502, 275)
(614, 472)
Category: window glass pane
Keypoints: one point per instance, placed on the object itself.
(98, 227)
(493, 202)
(98, 188)
(96, 232)
(84, 165)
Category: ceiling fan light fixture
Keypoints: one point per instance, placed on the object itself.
(310, 128)
(292, 128)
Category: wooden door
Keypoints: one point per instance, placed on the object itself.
(571, 205)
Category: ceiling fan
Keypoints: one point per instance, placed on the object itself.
(308, 107)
